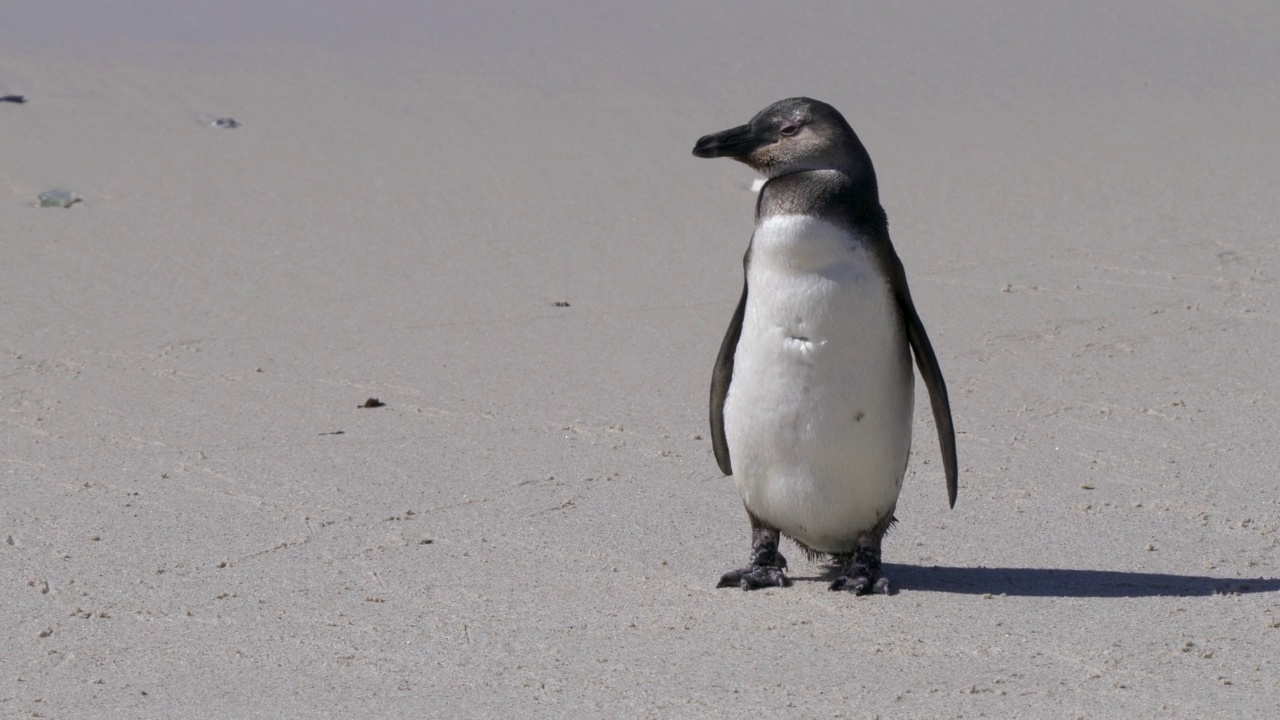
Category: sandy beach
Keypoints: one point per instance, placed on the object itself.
(489, 220)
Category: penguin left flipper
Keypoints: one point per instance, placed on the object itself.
(932, 374)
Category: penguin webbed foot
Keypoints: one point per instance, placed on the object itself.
(862, 584)
(861, 574)
(767, 569)
(758, 575)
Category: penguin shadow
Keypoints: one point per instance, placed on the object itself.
(1047, 582)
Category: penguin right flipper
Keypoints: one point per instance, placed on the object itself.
(720, 378)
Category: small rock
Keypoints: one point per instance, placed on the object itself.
(226, 122)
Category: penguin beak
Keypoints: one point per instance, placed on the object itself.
(735, 143)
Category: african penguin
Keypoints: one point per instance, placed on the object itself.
(812, 393)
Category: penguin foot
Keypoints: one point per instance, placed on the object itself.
(767, 569)
(862, 585)
(861, 574)
(754, 577)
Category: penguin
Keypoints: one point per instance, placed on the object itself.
(813, 391)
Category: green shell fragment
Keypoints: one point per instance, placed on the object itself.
(58, 197)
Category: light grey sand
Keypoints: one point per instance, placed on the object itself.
(533, 525)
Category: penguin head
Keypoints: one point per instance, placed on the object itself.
(792, 135)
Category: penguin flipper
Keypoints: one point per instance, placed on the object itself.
(932, 374)
(720, 378)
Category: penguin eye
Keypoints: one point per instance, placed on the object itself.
(789, 129)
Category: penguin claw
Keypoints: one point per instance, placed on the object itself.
(862, 584)
(754, 577)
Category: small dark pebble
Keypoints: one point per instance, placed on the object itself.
(19, 99)
(372, 403)
(226, 122)
(560, 303)
(335, 432)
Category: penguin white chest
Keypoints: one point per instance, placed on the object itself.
(818, 413)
